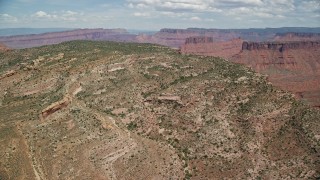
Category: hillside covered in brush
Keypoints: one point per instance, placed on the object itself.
(103, 110)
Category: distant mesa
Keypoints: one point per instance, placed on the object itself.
(297, 36)
(174, 38)
(290, 59)
(207, 46)
(34, 40)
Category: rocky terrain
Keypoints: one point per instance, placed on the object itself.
(102, 110)
(206, 46)
(3, 48)
(291, 60)
(34, 40)
(293, 66)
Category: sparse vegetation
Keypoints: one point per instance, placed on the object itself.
(150, 112)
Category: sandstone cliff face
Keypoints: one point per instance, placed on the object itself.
(293, 66)
(26, 41)
(176, 37)
(206, 46)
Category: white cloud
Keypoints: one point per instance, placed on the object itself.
(8, 18)
(70, 13)
(239, 2)
(246, 11)
(42, 14)
(139, 14)
(173, 5)
(56, 16)
(195, 18)
(260, 8)
(174, 14)
(310, 6)
(69, 16)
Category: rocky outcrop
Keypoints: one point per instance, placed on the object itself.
(206, 46)
(27, 41)
(8, 74)
(292, 66)
(55, 107)
(170, 98)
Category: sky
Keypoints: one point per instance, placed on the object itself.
(157, 14)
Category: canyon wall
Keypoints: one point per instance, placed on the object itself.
(206, 46)
(292, 66)
(176, 37)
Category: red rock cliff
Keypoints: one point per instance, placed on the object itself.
(293, 66)
(208, 47)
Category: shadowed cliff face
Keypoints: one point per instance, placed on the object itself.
(280, 46)
(297, 37)
(293, 66)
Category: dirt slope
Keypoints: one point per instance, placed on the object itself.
(97, 110)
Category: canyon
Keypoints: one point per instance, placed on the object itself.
(290, 60)
(110, 110)
(177, 37)
(289, 56)
(174, 38)
(292, 66)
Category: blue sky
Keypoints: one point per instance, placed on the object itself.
(157, 14)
